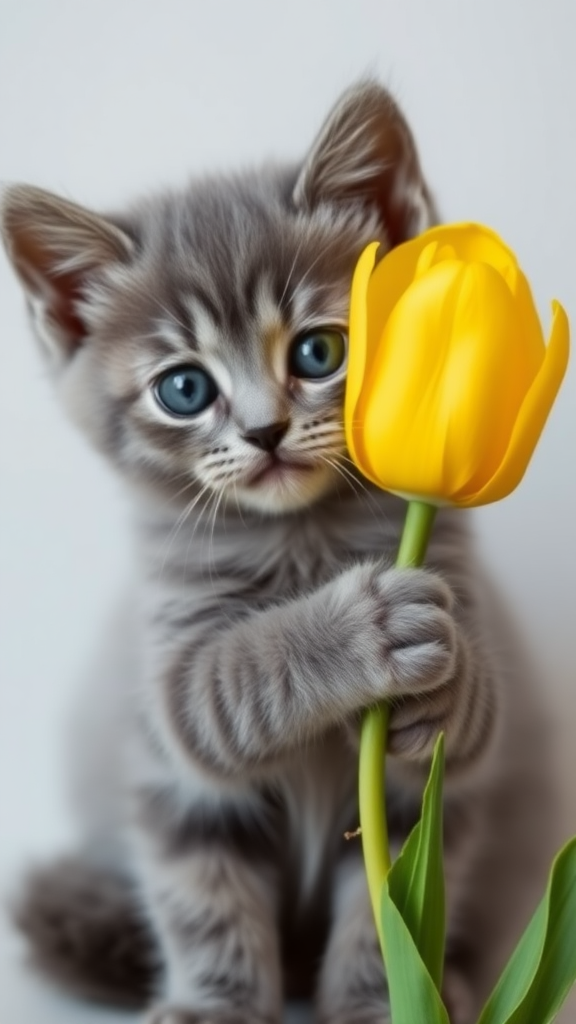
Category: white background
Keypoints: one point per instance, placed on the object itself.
(104, 100)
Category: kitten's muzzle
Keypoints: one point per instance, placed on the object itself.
(277, 468)
(267, 438)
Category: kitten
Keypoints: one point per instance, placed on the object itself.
(199, 340)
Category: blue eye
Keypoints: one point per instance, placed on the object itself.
(318, 354)
(186, 391)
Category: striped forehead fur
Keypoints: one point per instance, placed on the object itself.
(228, 253)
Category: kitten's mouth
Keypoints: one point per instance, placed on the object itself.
(277, 469)
(279, 484)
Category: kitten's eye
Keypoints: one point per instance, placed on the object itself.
(317, 354)
(186, 391)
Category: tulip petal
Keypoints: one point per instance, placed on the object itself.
(531, 418)
(469, 242)
(427, 258)
(357, 346)
(390, 279)
(452, 344)
(357, 322)
(476, 243)
(487, 375)
(403, 433)
(531, 328)
(466, 241)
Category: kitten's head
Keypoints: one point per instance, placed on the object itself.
(201, 339)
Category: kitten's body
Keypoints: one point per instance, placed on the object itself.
(219, 741)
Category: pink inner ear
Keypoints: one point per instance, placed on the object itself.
(62, 310)
(60, 291)
(397, 189)
(400, 222)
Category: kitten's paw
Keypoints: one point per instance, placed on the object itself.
(419, 630)
(421, 649)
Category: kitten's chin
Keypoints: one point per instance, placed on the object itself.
(292, 491)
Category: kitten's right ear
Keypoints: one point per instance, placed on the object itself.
(57, 248)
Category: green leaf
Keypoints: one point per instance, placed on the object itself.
(542, 969)
(416, 879)
(414, 998)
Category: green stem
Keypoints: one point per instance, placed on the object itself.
(371, 783)
(416, 533)
(371, 773)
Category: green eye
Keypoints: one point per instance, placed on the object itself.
(186, 391)
(317, 354)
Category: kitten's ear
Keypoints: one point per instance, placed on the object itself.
(365, 151)
(56, 248)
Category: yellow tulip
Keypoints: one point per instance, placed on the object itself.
(449, 380)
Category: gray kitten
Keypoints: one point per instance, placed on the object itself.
(200, 342)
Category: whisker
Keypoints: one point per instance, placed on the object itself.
(360, 483)
(210, 524)
(356, 485)
(151, 336)
(313, 443)
(172, 316)
(302, 280)
(184, 473)
(216, 460)
(344, 458)
(183, 490)
(214, 514)
(200, 517)
(339, 469)
(178, 526)
(353, 423)
(323, 432)
(291, 271)
(238, 505)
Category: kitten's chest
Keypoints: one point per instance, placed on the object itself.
(318, 792)
(247, 561)
(287, 559)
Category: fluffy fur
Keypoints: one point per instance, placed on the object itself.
(217, 748)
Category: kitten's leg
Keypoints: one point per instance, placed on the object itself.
(352, 986)
(215, 917)
(237, 698)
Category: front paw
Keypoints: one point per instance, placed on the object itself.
(418, 628)
(421, 648)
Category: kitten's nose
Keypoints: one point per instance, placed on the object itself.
(267, 438)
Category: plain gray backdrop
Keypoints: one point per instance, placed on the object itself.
(106, 99)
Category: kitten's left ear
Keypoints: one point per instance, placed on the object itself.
(366, 152)
(57, 248)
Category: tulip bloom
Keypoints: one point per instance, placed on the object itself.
(449, 386)
(449, 380)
